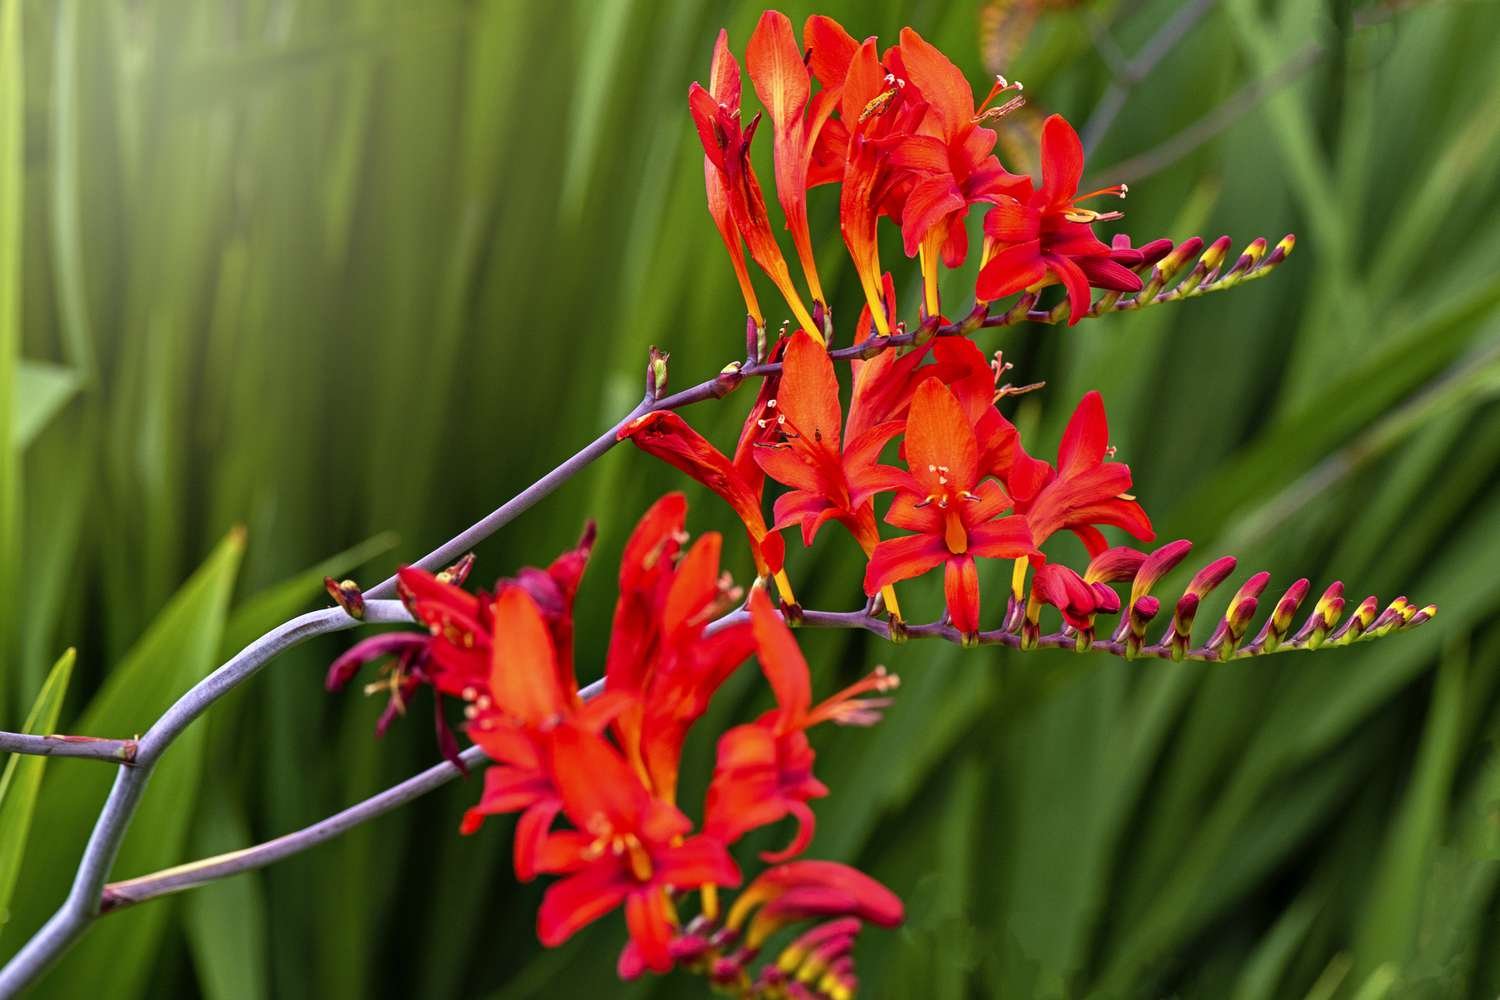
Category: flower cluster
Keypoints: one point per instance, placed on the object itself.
(607, 766)
(922, 446)
(901, 133)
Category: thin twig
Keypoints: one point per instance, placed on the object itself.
(58, 745)
(83, 901)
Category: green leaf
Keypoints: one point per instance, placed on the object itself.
(42, 389)
(22, 779)
(116, 958)
(12, 249)
(226, 921)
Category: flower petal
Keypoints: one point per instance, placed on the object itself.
(1011, 270)
(941, 450)
(780, 658)
(1062, 161)
(903, 558)
(573, 903)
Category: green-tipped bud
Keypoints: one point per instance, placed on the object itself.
(755, 341)
(656, 372)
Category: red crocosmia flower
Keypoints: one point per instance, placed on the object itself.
(530, 691)
(782, 82)
(826, 473)
(629, 848)
(830, 49)
(661, 655)
(1084, 491)
(726, 144)
(764, 770)
(876, 113)
(942, 498)
(953, 160)
(1045, 236)
(963, 367)
(724, 90)
(451, 658)
(667, 436)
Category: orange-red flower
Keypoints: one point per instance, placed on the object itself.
(951, 156)
(1084, 491)
(1041, 235)
(875, 114)
(628, 848)
(943, 498)
(764, 769)
(784, 86)
(528, 692)
(732, 183)
(829, 474)
(662, 657)
(802, 890)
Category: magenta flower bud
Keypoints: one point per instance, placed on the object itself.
(1157, 565)
(1119, 563)
(1210, 576)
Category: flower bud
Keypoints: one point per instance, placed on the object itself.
(656, 372)
(347, 595)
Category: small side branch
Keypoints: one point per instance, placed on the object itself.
(59, 745)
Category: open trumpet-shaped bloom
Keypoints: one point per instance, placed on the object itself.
(955, 515)
(765, 768)
(1043, 235)
(628, 848)
(1084, 491)
(829, 474)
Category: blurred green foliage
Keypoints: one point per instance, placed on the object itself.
(329, 269)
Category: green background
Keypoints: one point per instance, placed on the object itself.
(332, 270)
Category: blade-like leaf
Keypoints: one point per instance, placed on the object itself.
(22, 779)
(42, 389)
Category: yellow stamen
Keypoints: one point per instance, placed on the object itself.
(888, 595)
(927, 259)
(877, 306)
(784, 587)
(799, 311)
(710, 897)
(1018, 578)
